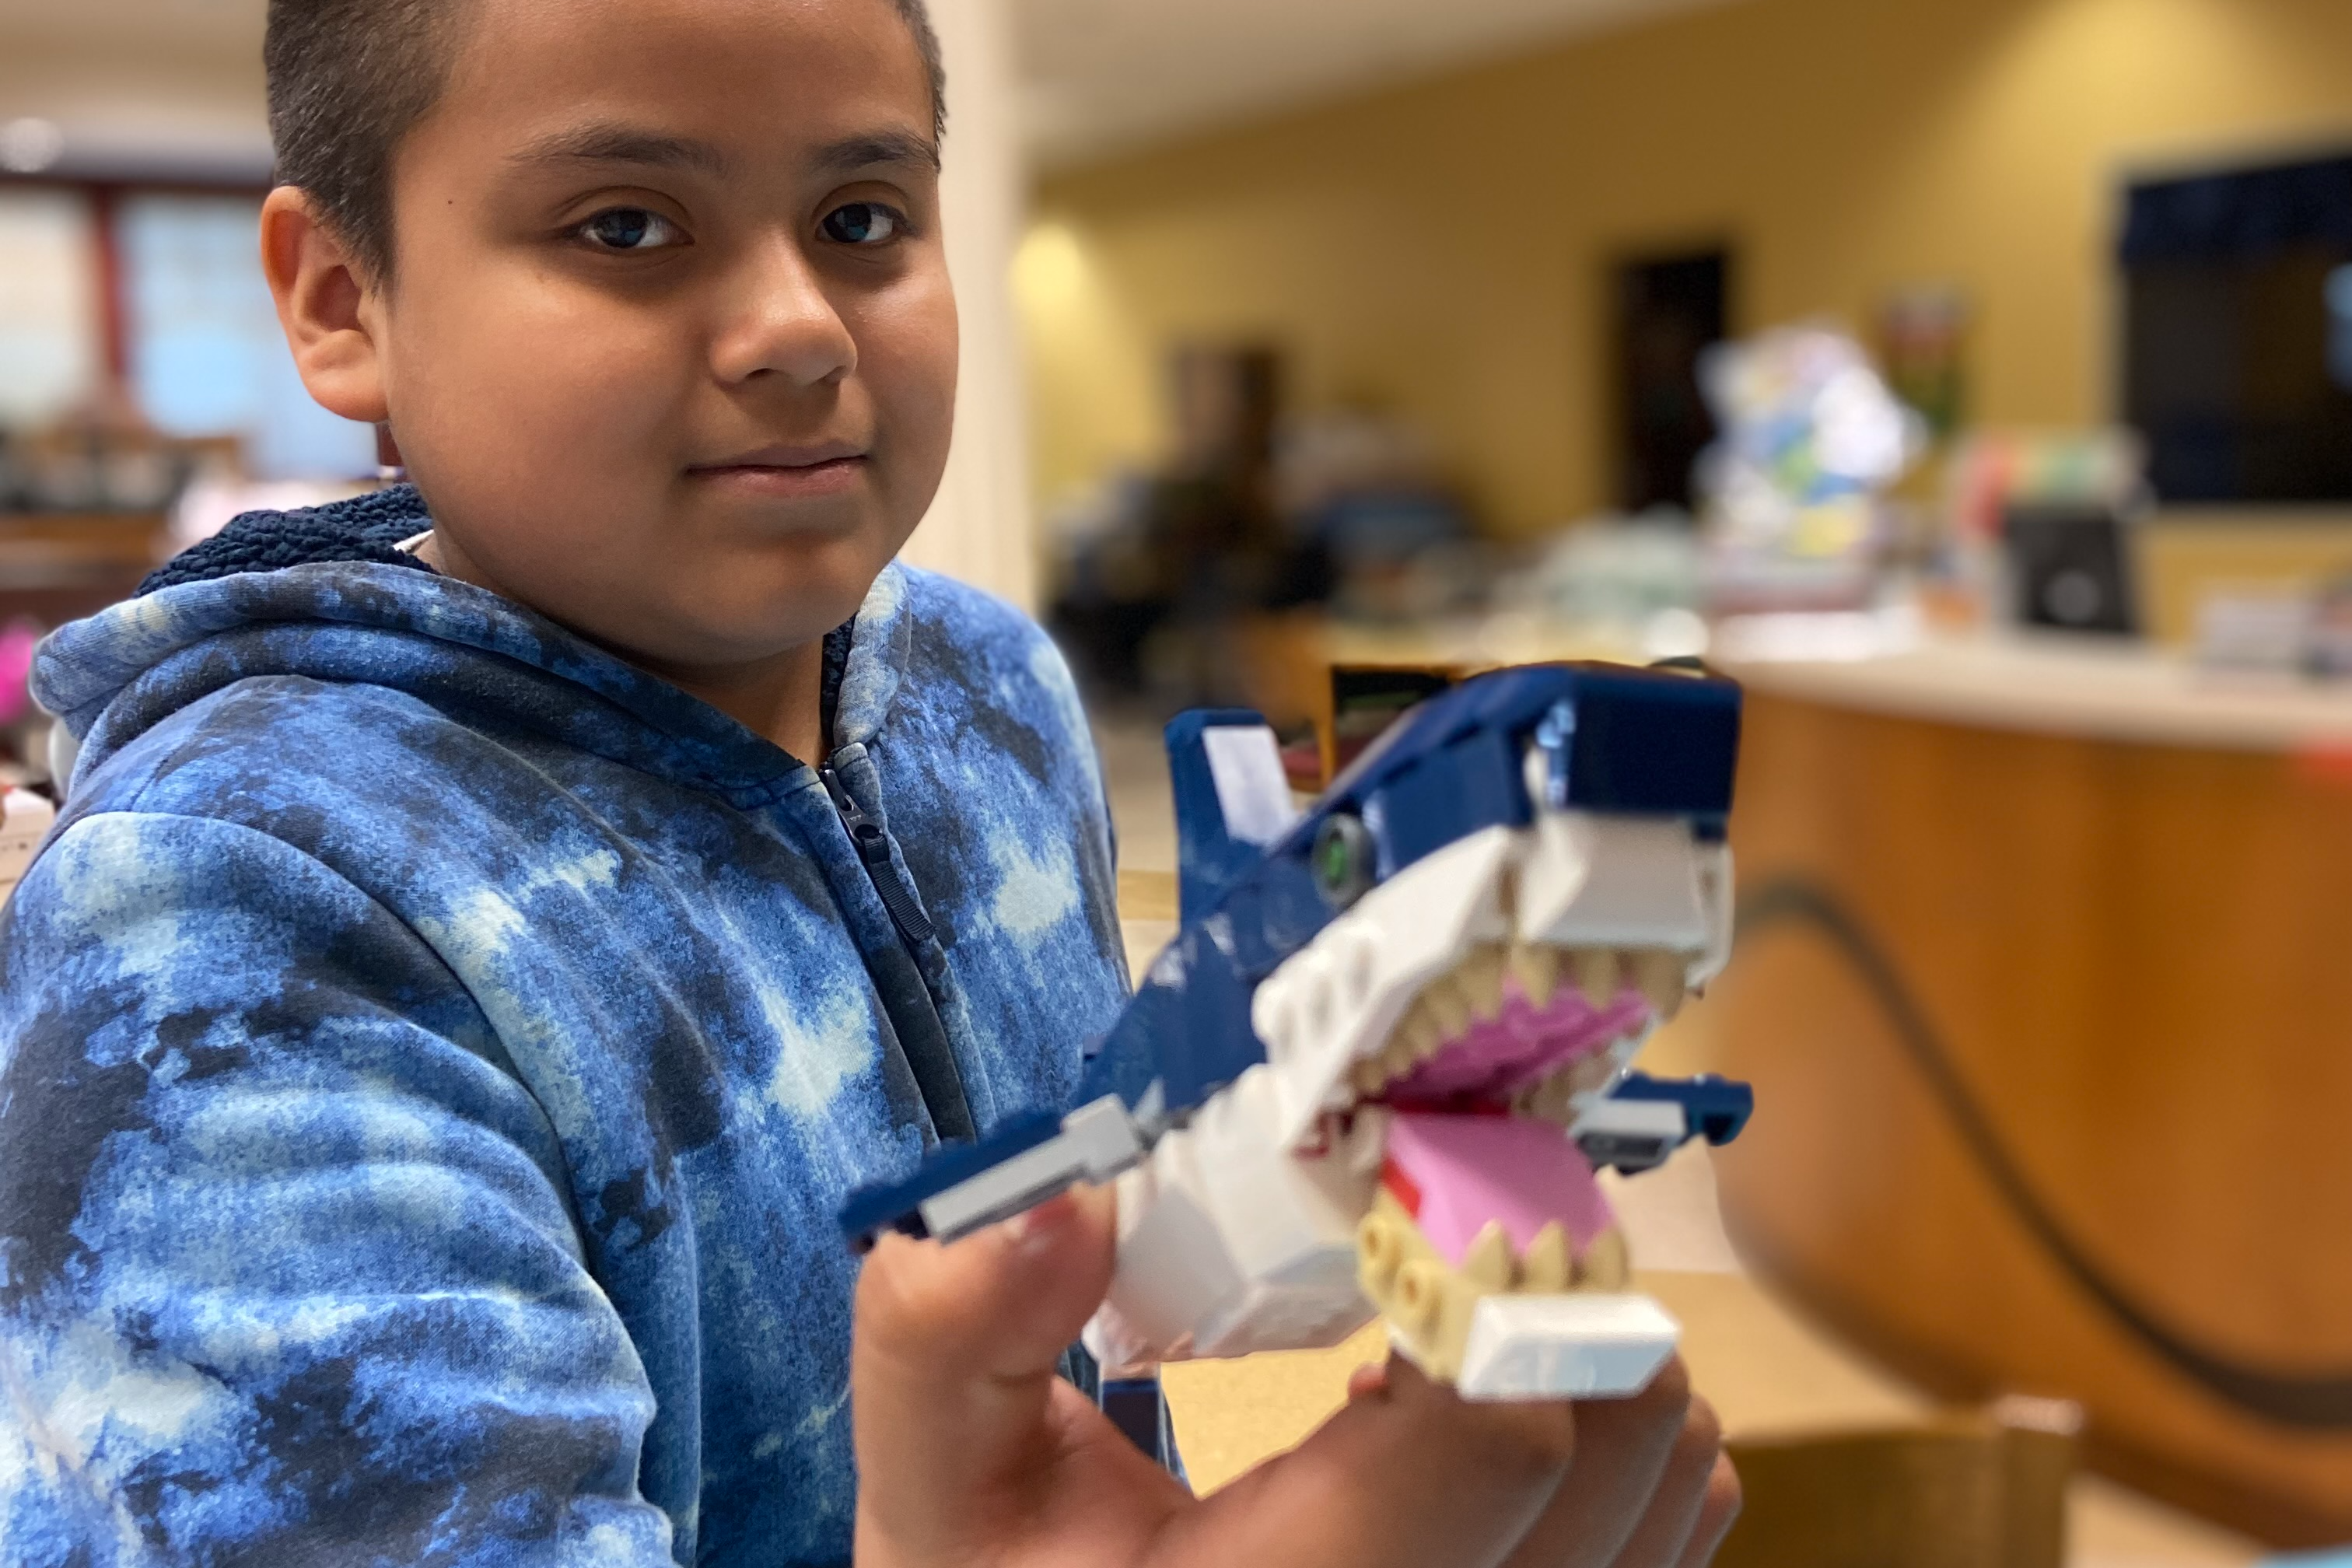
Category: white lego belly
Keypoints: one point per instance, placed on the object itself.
(1229, 1244)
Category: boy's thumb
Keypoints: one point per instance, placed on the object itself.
(953, 1360)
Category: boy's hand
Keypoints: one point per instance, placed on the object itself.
(971, 1451)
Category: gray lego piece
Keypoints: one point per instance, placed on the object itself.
(1096, 1142)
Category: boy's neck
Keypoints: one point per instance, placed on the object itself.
(780, 697)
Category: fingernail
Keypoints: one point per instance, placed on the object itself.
(1038, 1231)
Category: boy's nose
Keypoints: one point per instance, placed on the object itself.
(781, 322)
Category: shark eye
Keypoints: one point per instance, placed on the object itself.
(1342, 860)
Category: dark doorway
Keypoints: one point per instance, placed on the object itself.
(1669, 310)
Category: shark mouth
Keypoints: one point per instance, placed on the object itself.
(1453, 1026)
(1482, 1191)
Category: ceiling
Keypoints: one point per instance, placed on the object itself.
(1101, 77)
(1098, 77)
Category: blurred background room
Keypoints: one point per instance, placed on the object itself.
(1972, 379)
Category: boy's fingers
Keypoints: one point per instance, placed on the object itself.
(1006, 1300)
(1672, 1527)
(1626, 1451)
(1408, 1473)
(953, 1356)
(1717, 1515)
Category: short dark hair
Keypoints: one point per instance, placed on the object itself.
(350, 78)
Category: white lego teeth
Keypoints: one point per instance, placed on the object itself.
(1415, 1038)
(1550, 1100)
(1536, 969)
(1605, 1265)
(1445, 1004)
(1556, 1099)
(1481, 980)
(1476, 991)
(1661, 977)
(1596, 970)
(1489, 1260)
(1546, 1264)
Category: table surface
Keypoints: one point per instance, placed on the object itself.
(2086, 687)
(2095, 687)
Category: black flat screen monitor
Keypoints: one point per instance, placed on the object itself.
(2238, 333)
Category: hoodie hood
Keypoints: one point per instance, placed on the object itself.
(324, 592)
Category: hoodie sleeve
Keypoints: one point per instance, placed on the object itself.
(287, 1273)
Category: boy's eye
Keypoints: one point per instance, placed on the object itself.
(861, 223)
(629, 229)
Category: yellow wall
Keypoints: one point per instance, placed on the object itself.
(1442, 249)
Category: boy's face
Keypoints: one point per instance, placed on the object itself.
(669, 344)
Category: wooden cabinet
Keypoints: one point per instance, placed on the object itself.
(2052, 1038)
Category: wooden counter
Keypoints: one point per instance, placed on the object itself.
(2044, 981)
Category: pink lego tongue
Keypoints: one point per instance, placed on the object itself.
(1456, 1172)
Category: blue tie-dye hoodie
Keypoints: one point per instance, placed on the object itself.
(432, 1053)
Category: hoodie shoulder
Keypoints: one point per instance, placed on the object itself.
(306, 761)
(955, 608)
(973, 640)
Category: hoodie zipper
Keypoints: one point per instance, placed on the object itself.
(907, 999)
(873, 847)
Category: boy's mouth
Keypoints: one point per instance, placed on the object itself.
(786, 473)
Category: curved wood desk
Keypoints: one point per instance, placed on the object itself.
(2046, 985)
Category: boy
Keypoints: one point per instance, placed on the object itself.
(438, 1035)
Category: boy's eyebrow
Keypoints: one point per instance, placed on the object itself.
(902, 147)
(607, 142)
(611, 142)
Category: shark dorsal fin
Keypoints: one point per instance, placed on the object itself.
(1232, 800)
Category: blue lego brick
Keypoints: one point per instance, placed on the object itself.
(1472, 782)
(1716, 1108)
(1621, 740)
(1209, 858)
(1645, 745)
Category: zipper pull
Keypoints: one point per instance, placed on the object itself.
(873, 847)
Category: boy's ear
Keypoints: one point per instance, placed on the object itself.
(325, 305)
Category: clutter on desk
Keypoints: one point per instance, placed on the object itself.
(1317, 563)
(1811, 438)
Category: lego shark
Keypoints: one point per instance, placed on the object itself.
(1378, 1068)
